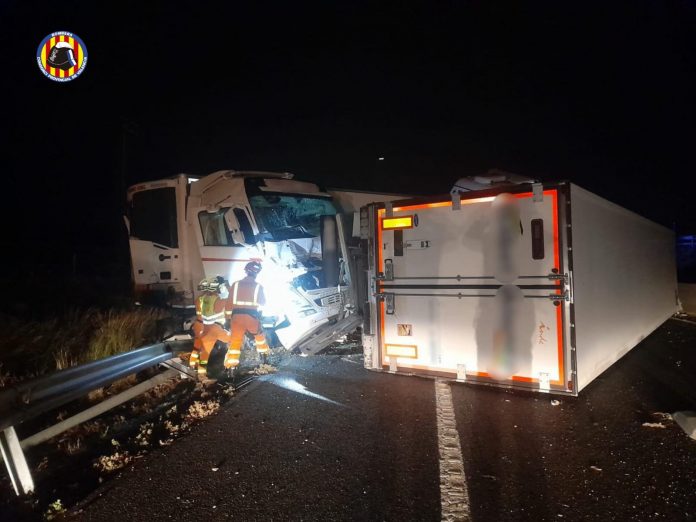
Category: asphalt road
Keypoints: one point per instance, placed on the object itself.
(324, 439)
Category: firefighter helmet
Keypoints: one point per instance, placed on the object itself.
(212, 284)
(253, 268)
(61, 56)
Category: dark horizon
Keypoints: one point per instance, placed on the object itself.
(601, 95)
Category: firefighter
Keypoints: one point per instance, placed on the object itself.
(243, 310)
(209, 327)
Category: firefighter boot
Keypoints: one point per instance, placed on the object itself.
(194, 359)
(203, 370)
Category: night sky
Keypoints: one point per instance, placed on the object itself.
(601, 94)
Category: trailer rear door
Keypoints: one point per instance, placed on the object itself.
(474, 289)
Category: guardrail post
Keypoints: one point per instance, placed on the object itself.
(15, 462)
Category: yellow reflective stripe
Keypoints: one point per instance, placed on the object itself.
(234, 352)
(255, 302)
(214, 316)
(228, 312)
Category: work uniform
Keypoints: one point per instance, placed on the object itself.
(243, 310)
(208, 329)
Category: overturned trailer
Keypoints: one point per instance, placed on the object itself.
(529, 286)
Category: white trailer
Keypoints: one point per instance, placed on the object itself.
(530, 286)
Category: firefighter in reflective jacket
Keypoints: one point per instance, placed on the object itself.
(210, 321)
(243, 310)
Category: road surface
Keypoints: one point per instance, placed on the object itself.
(324, 439)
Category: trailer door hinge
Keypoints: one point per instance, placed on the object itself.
(389, 304)
(388, 209)
(388, 270)
(537, 192)
(388, 299)
(456, 201)
(388, 274)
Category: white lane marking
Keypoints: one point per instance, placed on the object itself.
(454, 495)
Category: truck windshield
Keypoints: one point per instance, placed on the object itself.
(282, 217)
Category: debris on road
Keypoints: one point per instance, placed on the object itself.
(595, 468)
(108, 463)
(55, 510)
(264, 369)
(654, 425)
(554, 402)
(202, 409)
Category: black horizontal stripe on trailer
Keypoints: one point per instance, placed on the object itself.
(465, 287)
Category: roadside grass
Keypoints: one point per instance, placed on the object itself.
(32, 348)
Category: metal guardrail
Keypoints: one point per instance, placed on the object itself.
(32, 398)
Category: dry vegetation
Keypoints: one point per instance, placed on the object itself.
(32, 348)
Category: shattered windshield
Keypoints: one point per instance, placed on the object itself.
(282, 217)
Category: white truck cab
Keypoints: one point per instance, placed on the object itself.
(184, 229)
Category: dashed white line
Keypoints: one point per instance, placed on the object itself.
(454, 495)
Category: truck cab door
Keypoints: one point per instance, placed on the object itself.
(226, 241)
(153, 236)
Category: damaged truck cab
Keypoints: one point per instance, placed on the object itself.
(184, 229)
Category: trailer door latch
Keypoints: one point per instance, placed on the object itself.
(417, 244)
(557, 298)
